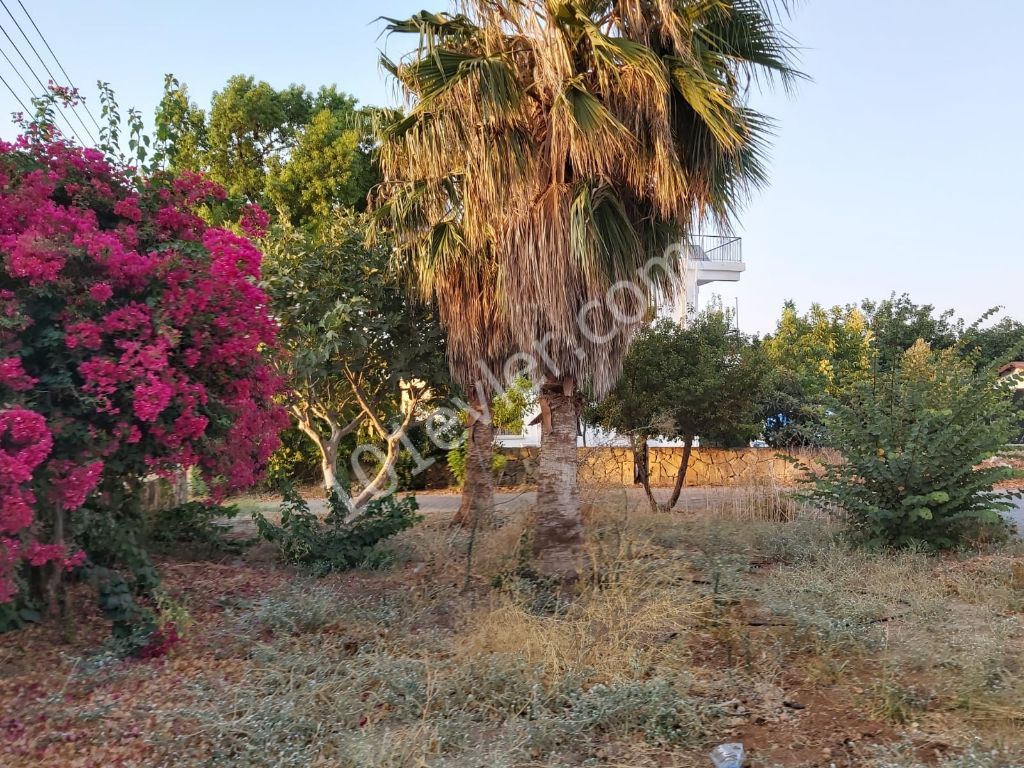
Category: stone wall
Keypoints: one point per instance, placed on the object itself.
(613, 466)
(159, 493)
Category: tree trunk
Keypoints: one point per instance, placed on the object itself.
(54, 570)
(328, 456)
(478, 484)
(681, 474)
(558, 539)
(328, 465)
(306, 418)
(642, 469)
(383, 478)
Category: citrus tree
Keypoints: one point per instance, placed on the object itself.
(355, 352)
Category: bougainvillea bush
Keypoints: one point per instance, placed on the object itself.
(132, 342)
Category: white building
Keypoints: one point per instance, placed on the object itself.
(708, 259)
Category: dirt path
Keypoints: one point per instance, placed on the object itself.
(1018, 516)
(507, 502)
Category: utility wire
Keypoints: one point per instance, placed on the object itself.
(18, 51)
(46, 66)
(59, 65)
(16, 71)
(15, 95)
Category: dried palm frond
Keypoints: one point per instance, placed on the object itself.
(551, 148)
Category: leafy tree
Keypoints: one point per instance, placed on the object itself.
(912, 441)
(552, 149)
(180, 128)
(703, 380)
(897, 323)
(250, 125)
(1000, 343)
(816, 356)
(826, 348)
(820, 354)
(299, 153)
(329, 167)
(356, 352)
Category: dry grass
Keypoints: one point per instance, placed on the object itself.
(931, 642)
(627, 628)
(689, 629)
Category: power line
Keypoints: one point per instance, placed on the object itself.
(16, 71)
(16, 96)
(59, 65)
(53, 77)
(33, 72)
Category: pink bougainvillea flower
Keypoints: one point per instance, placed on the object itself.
(255, 221)
(77, 483)
(13, 376)
(101, 292)
(161, 328)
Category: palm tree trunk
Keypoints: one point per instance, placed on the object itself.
(681, 474)
(478, 485)
(558, 537)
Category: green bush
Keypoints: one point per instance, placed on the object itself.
(457, 462)
(911, 443)
(336, 543)
(195, 522)
(297, 461)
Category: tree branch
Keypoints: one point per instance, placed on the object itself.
(364, 403)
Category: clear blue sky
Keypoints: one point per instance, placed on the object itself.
(899, 168)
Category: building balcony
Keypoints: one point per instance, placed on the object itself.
(707, 259)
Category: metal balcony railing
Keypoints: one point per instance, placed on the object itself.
(714, 248)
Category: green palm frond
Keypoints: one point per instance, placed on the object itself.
(744, 34)
(433, 28)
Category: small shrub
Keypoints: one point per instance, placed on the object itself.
(336, 543)
(911, 445)
(651, 708)
(456, 459)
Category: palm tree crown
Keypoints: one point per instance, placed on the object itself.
(551, 147)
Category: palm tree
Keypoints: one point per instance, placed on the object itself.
(462, 283)
(551, 148)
